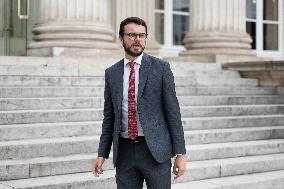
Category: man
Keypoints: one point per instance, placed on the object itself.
(141, 116)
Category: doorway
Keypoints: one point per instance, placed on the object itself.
(13, 27)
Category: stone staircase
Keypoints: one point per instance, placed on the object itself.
(51, 114)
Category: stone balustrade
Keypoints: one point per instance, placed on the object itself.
(268, 73)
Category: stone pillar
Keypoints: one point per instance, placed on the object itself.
(218, 28)
(143, 9)
(74, 27)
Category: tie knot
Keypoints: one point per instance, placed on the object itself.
(131, 64)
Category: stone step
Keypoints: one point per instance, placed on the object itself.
(49, 130)
(24, 149)
(31, 80)
(196, 91)
(32, 147)
(201, 123)
(198, 152)
(22, 92)
(82, 66)
(48, 166)
(239, 165)
(51, 116)
(216, 168)
(98, 102)
(42, 70)
(184, 67)
(266, 180)
(233, 135)
(28, 92)
(45, 149)
(229, 100)
(214, 81)
(39, 130)
(69, 129)
(198, 170)
(50, 103)
(280, 90)
(95, 114)
(55, 66)
(55, 70)
(193, 80)
(231, 110)
(213, 73)
(70, 181)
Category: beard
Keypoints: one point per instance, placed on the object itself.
(131, 52)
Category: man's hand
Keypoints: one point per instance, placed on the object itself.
(179, 166)
(97, 166)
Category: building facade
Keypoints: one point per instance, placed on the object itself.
(176, 27)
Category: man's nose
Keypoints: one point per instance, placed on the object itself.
(137, 38)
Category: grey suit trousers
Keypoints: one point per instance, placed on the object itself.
(136, 164)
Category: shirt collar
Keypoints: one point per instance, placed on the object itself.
(138, 60)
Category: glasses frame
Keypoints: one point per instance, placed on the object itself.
(133, 36)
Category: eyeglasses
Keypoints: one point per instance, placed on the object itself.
(133, 36)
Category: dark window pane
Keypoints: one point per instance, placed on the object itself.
(251, 9)
(159, 27)
(180, 28)
(181, 5)
(251, 30)
(159, 4)
(270, 37)
(270, 9)
(2, 19)
(18, 27)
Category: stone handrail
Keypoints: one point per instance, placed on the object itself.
(268, 73)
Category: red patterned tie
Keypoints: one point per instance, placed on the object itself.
(132, 122)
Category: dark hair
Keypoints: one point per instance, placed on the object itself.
(129, 20)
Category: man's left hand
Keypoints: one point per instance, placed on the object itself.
(179, 167)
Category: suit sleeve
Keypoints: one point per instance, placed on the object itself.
(108, 122)
(172, 111)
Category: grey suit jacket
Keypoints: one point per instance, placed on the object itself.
(157, 106)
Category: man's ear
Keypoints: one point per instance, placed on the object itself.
(120, 39)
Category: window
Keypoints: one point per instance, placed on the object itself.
(159, 20)
(263, 24)
(180, 20)
(270, 25)
(251, 21)
(171, 21)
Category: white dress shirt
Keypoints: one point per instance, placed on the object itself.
(124, 123)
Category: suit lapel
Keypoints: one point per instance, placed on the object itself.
(143, 75)
(119, 84)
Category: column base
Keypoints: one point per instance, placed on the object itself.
(192, 59)
(219, 46)
(216, 51)
(73, 38)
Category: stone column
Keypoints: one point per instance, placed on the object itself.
(218, 28)
(143, 9)
(74, 27)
